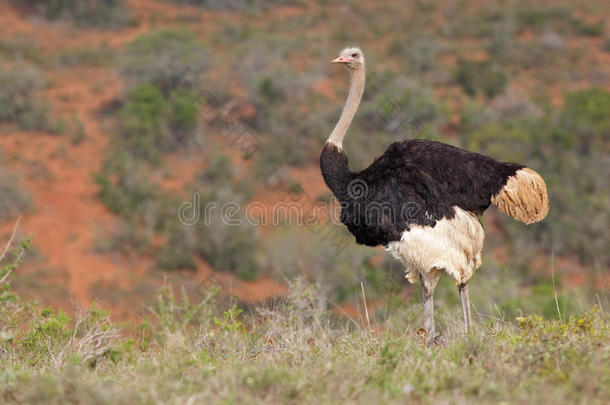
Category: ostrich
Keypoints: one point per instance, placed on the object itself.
(421, 200)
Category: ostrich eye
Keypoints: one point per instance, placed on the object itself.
(354, 55)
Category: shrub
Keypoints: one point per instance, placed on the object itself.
(588, 111)
(151, 124)
(85, 56)
(19, 48)
(586, 29)
(421, 52)
(534, 54)
(19, 85)
(529, 17)
(183, 116)
(124, 188)
(234, 4)
(505, 144)
(228, 247)
(142, 206)
(176, 253)
(501, 40)
(14, 200)
(166, 58)
(286, 131)
(227, 242)
(480, 77)
(142, 124)
(89, 13)
(328, 257)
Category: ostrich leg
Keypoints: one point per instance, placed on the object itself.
(428, 311)
(465, 305)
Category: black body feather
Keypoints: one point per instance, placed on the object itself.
(415, 182)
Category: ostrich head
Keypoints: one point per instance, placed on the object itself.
(351, 57)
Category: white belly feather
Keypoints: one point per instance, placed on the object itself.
(453, 245)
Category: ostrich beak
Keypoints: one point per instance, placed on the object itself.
(340, 59)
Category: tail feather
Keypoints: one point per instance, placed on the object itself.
(523, 197)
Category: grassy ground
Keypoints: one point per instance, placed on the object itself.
(292, 351)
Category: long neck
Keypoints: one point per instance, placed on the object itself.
(349, 110)
(333, 161)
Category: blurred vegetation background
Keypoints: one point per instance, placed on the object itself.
(114, 113)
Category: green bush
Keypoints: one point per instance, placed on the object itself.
(588, 111)
(20, 48)
(142, 206)
(89, 13)
(420, 51)
(142, 123)
(533, 55)
(505, 144)
(480, 77)
(286, 131)
(176, 253)
(158, 116)
(529, 17)
(166, 58)
(586, 29)
(85, 56)
(227, 245)
(19, 103)
(124, 188)
(325, 254)
(182, 115)
(234, 4)
(151, 124)
(13, 200)
(226, 248)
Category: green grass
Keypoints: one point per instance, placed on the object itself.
(293, 351)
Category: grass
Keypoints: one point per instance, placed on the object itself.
(291, 349)
(294, 351)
